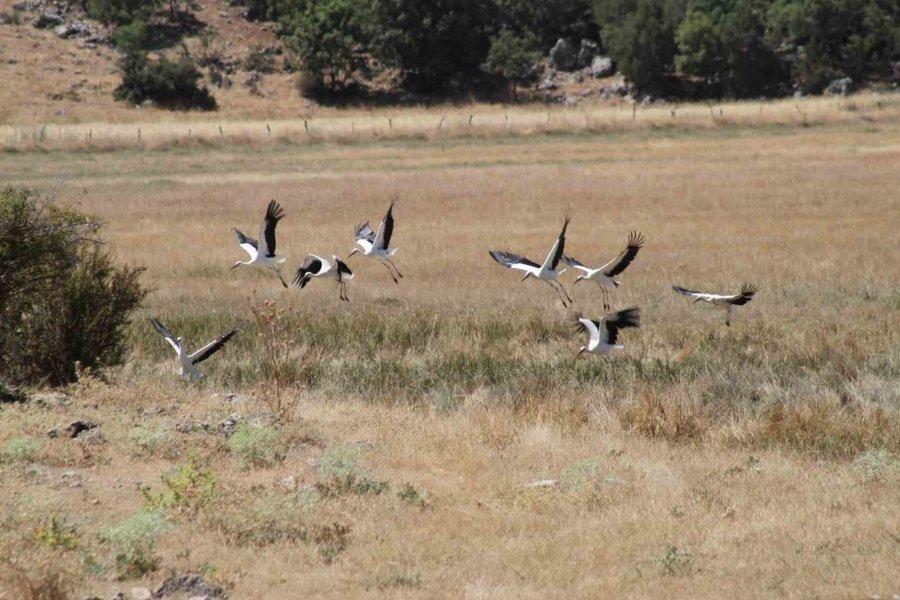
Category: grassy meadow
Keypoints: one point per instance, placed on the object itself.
(394, 453)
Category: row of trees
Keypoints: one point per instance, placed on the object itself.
(737, 48)
(711, 48)
(747, 48)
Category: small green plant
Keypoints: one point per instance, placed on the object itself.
(674, 561)
(58, 534)
(331, 540)
(341, 473)
(188, 488)
(151, 441)
(580, 475)
(876, 464)
(411, 495)
(264, 520)
(257, 445)
(400, 580)
(259, 59)
(19, 450)
(133, 541)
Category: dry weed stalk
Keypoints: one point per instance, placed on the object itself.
(272, 324)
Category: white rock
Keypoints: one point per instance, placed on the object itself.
(138, 593)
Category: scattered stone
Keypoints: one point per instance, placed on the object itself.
(118, 596)
(68, 475)
(577, 77)
(542, 483)
(570, 101)
(586, 54)
(187, 425)
(9, 393)
(563, 56)
(228, 426)
(75, 484)
(602, 66)
(54, 433)
(93, 437)
(50, 398)
(156, 410)
(76, 428)
(138, 593)
(47, 19)
(75, 28)
(548, 82)
(289, 483)
(840, 87)
(190, 584)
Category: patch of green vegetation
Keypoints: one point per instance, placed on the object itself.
(20, 450)
(133, 542)
(257, 445)
(341, 473)
(58, 534)
(188, 488)
(876, 464)
(411, 495)
(150, 441)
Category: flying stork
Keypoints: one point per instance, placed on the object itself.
(187, 363)
(262, 252)
(547, 272)
(378, 245)
(604, 275)
(723, 301)
(316, 266)
(602, 334)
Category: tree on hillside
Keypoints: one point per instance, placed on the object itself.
(513, 57)
(329, 36)
(640, 37)
(122, 11)
(548, 20)
(433, 43)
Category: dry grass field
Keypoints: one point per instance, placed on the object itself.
(760, 460)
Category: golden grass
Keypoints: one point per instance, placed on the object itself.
(703, 461)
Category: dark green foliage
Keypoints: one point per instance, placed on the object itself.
(513, 57)
(170, 84)
(433, 44)
(63, 305)
(548, 20)
(122, 11)
(330, 37)
(640, 37)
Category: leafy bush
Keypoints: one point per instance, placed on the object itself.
(170, 84)
(340, 473)
(63, 304)
(513, 57)
(152, 441)
(257, 445)
(133, 542)
(20, 450)
(188, 488)
(58, 534)
(121, 11)
(259, 59)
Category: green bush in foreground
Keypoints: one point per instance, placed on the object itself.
(133, 542)
(64, 305)
(257, 445)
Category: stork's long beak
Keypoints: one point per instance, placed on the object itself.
(526, 277)
(577, 279)
(696, 301)
(352, 253)
(580, 352)
(234, 266)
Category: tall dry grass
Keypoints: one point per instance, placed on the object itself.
(759, 459)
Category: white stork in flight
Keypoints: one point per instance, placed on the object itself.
(547, 272)
(262, 252)
(316, 266)
(724, 301)
(604, 276)
(378, 245)
(187, 363)
(603, 334)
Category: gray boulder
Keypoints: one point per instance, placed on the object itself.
(47, 19)
(563, 56)
(589, 49)
(840, 87)
(602, 66)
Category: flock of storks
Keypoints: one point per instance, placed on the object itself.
(602, 334)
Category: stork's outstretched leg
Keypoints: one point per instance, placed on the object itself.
(390, 262)
(568, 297)
(394, 277)
(280, 278)
(606, 305)
(550, 282)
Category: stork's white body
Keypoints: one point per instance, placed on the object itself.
(548, 272)
(726, 301)
(603, 334)
(378, 244)
(605, 276)
(262, 252)
(187, 363)
(316, 266)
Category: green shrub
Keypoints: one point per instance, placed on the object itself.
(133, 542)
(58, 534)
(257, 445)
(259, 60)
(340, 473)
(20, 450)
(170, 84)
(151, 441)
(188, 488)
(63, 304)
